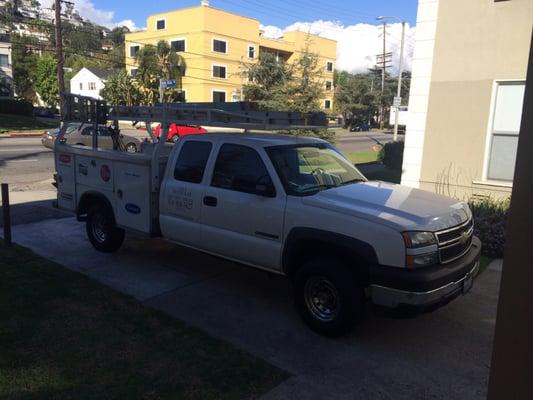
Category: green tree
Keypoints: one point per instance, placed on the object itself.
(306, 91)
(119, 89)
(46, 81)
(355, 97)
(24, 62)
(155, 63)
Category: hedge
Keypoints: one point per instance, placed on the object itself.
(17, 107)
(391, 154)
(490, 220)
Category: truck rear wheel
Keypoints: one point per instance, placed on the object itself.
(328, 297)
(102, 231)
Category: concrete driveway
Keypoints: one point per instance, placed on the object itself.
(442, 355)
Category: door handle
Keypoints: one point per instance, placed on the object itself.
(210, 201)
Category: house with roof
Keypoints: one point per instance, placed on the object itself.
(89, 82)
(6, 71)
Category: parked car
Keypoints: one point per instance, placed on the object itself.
(45, 112)
(83, 135)
(176, 131)
(359, 126)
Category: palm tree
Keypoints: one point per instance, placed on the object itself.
(156, 63)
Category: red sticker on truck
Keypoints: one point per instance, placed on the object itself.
(105, 173)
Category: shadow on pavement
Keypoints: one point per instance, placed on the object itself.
(35, 211)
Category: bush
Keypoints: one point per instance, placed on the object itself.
(391, 154)
(490, 220)
(17, 107)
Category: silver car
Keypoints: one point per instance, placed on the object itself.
(83, 135)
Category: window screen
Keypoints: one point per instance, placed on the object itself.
(329, 66)
(191, 162)
(219, 46)
(160, 24)
(251, 52)
(219, 71)
(219, 97)
(178, 45)
(239, 168)
(505, 129)
(134, 50)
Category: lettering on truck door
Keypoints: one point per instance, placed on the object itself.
(183, 189)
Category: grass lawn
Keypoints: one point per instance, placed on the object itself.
(359, 157)
(65, 336)
(9, 122)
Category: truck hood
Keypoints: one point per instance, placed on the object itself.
(400, 207)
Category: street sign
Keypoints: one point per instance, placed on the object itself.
(169, 83)
(397, 102)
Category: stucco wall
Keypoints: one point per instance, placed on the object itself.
(477, 43)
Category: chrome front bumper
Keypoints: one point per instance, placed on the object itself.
(393, 298)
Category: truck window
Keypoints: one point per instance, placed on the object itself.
(191, 162)
(239, 168)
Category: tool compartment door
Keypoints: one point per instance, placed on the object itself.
(132, 196)
(66, 185)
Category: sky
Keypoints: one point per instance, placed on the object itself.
(351, 22)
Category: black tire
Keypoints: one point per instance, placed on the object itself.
(338, 291)
(131, 148)
(102, 231)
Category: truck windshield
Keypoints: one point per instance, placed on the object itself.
(307, 169)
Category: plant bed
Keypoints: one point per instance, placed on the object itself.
(63, 336)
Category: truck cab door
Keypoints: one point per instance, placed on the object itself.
(242, 212)
(180, 201)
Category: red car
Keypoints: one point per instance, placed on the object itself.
(175, 131)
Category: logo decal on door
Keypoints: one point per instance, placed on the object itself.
(132, 208)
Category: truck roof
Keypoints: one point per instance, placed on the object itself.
(258, 139)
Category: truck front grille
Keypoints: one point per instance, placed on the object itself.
(455, 242)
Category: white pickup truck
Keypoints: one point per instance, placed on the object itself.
(288, 205)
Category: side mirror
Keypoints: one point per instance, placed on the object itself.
(265, 187)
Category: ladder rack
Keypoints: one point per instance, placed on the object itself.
(243, 115)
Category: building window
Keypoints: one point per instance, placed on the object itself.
(329, 85)
(134, 50)
(251, 51)
(4, 60)
(219, 96)
(178, 45)
(92, 86)
(507, 115)
(160, 24)
(81, 85)
(133, 72)
(219, 71)
(327, 104)
(329, 66)
(220, 46)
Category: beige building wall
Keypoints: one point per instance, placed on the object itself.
(477, 44)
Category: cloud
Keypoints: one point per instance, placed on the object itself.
(88, 10)
(357, 45)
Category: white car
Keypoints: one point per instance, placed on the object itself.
(288, 205)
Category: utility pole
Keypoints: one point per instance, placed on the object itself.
(381, 122)
(59, 57)
(399, 90)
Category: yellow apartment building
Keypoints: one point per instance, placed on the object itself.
(216, 45)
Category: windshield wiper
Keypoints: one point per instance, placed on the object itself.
(356, 180)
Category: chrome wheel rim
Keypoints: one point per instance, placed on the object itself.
(322, 298)
(98, 228)
(130, 148)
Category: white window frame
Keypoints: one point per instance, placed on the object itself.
(330, 104)
(331, 88)
(213, 45)
(81, 85)
(332, 66)
(161, 19)
(248, 51)
(219, 91)
(131, 71)
(8, 65)
(489, 134)
(91, 86)
(179, 38)
(219, 65)
(134, 45)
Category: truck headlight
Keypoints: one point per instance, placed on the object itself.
(414, 240)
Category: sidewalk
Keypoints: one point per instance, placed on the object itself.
(21, 134)
(445, 354)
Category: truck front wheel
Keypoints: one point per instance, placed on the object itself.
(102, 231)
(328, 297)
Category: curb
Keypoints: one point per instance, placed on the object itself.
(21, 134)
